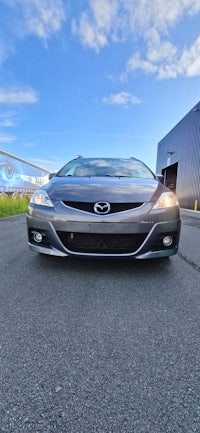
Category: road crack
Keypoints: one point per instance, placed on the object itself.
(189, 262)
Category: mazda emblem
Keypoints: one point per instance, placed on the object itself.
(102, 207)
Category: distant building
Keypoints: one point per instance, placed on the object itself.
(178, 159)
(19, 177)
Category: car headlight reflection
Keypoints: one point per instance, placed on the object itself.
(41, 198)
(166, 200)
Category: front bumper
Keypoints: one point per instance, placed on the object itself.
(147, 226)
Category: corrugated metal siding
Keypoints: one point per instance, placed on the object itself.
(184, 141)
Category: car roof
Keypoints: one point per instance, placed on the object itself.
(106, 158)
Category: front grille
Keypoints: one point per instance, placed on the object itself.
(89, 207)
(101, 243)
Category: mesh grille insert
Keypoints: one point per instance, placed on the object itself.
(101, 243)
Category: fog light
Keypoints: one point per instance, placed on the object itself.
(37, 236)
(167, 241)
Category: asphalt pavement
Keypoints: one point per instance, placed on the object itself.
(189, 248)
(99, 346)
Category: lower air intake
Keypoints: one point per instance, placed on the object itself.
(100, 243)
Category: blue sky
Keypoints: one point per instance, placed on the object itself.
(95, 77)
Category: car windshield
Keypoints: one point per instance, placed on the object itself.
(101, 167)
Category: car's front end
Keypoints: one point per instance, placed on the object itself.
(104, 216)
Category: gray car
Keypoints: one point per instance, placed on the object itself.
(104, 207)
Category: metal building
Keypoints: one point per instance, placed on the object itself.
(19, 177)
(178, 159)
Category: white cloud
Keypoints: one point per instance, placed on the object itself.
(97, 24)
(135, 62)
(40, 18)
(157, 49)
(167, 62)
(41, 161)
(158, 14)
(114, 19)
(52, 165)
(15, 96)
(91, 36)
(147, 24)
(123, 99)
(158, 53)
(7, 138)
(104, 12)
(189, 62)
(7, 120)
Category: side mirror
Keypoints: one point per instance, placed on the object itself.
(160, 177)
(51, 175)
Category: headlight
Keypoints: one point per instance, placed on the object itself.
(41, 198)
(166, 199)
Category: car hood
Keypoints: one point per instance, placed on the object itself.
(112, 189)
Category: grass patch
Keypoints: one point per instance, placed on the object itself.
(9, 206)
